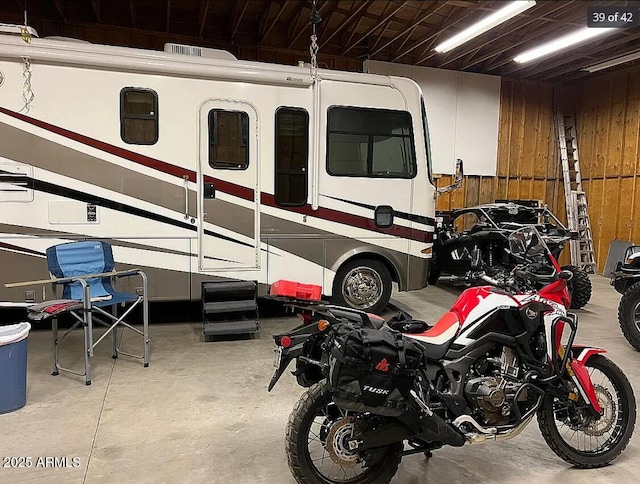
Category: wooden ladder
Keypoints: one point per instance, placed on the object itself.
(582, 249)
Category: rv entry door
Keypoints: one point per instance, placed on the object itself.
(229, 232)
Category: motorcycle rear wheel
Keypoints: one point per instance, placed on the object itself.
(629, 315)
(314, 452)
(593, 443)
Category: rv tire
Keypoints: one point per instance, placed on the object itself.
(363, 284)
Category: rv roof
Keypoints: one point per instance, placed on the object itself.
(89, 55)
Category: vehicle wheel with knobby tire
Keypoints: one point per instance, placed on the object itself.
(363, 284)
(629, 315)
(579, 287)
(316, 444)
(578, 437)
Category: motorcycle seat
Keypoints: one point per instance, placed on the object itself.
(437, 339)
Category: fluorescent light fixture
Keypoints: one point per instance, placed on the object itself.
(561, 43)
(613, 62)
(487, 23)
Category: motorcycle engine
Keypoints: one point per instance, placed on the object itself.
(494, 395)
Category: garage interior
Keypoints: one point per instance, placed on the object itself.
(201, 411)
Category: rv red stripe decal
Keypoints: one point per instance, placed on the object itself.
(352, 220)
(222, 185)
(106, 147)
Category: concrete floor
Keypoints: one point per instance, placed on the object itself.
(201, 413)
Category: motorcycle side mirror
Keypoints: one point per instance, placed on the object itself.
(565, 275)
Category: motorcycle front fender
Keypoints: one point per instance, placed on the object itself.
(581, 378)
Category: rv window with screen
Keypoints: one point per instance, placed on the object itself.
(228, 139)
(367, 142)
(292, 155)
(138, 116)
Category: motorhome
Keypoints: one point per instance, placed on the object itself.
(197, 166)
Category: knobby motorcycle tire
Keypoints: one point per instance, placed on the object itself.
(579, 286)
(297, 450)
(587, 460)
(626, 315)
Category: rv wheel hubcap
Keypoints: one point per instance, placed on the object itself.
(362, 287)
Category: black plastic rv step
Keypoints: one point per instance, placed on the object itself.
(228, 286)
(221, 328)
(229, 306)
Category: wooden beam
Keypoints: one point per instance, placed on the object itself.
(323, 10)
(283, 5)
(60, 9)
(445, 24)
(202, 17)
(168, 15)
(95, 4)
(354, 31)
(375, 27)
(344, 23)
(430, 12)
(293, 26)
(132, 11)
(237, 20)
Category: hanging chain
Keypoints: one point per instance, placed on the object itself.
(27, 92)
(313, 48)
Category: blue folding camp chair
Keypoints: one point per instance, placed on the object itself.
(85, 270)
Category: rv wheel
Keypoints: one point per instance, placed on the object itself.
(363, 284)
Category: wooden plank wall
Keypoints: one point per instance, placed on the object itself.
(607, 113)
(528, 165)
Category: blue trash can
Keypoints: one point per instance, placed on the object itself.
(13, 366)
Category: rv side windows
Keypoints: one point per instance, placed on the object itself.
(138, 116)
(292, 156)
(228, 139)
(364, 142)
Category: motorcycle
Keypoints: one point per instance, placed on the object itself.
(626, 280)
(378, 391)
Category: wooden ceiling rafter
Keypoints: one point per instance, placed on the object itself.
(358, 7)
(322, 11)
(388, 18)
(434, 38)
(429, 13)
(237, 18)
(202, 16)
(59, 9)
(132, 13)
(276, 17)
(97, 10)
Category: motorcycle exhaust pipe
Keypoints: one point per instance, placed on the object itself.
(487, 434)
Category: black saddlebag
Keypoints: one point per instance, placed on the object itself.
(372, 370)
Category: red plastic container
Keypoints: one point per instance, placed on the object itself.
(296, 289)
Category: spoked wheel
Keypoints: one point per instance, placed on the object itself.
(317, 449)
(581, 439)
(629, 315)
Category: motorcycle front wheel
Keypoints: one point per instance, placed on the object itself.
(316, 445)
(582, 440)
